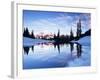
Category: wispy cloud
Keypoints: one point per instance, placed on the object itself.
(61, 21)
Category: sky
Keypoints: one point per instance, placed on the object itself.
(50, 22)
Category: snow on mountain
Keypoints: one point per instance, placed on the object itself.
(84, 41)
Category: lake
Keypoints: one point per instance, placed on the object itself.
(56, 55)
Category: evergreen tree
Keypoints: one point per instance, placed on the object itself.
(32, 35)
(58, 35)
(24, 32)
(71, 35)
(27, 33)
(67, 37)
(79, 30)
(54, 36)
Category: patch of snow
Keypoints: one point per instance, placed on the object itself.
(30, 41)
(84, 41)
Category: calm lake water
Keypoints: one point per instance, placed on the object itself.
(53, 55)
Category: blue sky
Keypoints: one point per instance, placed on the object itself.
(49, 22)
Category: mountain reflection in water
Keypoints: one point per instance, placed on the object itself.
(57, 46)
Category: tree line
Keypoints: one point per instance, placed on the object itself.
(58, 37)
(27, 34)
(61, 38)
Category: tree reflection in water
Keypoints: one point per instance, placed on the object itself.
(79, 50)
(71, 47)
(58, 47)
(26, 49)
